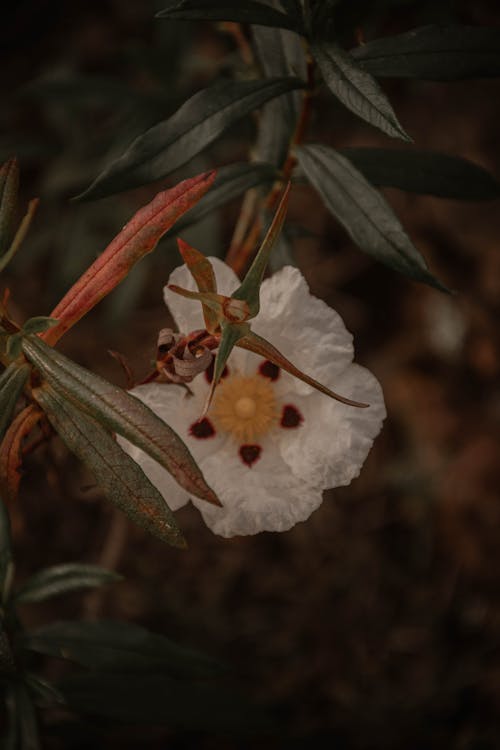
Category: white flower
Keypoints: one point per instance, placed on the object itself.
(270, 444)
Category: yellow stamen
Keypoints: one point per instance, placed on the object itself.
(245, 407)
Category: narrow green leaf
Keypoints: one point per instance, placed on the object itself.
(20, 234)
(169, 144)
(254, 343)
(111, 646)
(244, 11)
(363, 212)
(356, 88)
(6, 562)
(121, 479)
(42, 690)
(63, 579)
(39, 324)
(424, 172)
(436, 53)
(27, 722)
(121, 412)
(230, 182)
(231, 334)
(249, 290)
(12, 382)
(9, 186)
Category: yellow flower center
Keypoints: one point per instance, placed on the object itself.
(245, 407)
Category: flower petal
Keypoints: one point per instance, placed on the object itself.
(329, 448)
(263, 497)
(303, 328)
(188, 313)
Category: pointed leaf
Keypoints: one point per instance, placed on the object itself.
(225, 308)
(244, 11)
(356, 88)
(122, 480)
(249, 290)
(6, 562)
(9, 186)
(231, 334)
(136, 239)
(120, 412)
(169, 144)
(110, 646)
(62, 579)
(20, 234)
(425, 172)
(436, 53)
(38, 324)
(254, 343)
(204, 276)
(12, 382)
(230, 182)
(10, 450)
(363, 212)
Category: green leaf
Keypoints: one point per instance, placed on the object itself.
(27, 722)
(14, 345)
(42, 690)
(12, 382)
(39, 324)
(120, 412)
(122, 480)
(169, 144)
(110, 646)
(160, 700)
(436, 53)
(356, 88)
(424, 172)
(363, 212)
(9, 186)
(244, 11)
(231, 334)
(6, 562)
(230, 182)
(20, 234)
(249, 290)
(62, 579)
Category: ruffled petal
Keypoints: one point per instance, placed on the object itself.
(308, 332)
(331, 445)
(179, 410)
(186, 312)
(265, 497)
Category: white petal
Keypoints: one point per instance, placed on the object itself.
(264, 497)
(172, 404)
(331, 445)
(186, 312)
(308, 332)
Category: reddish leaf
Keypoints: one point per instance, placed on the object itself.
(254, 343)
(10, 450)
(136, 239)
(203, 273)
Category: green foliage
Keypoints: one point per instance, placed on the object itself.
(12, 381)
(62, 579)
(244, 11)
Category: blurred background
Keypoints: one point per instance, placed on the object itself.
(376, 623)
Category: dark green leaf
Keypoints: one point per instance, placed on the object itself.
(158, 699)
(9, 185)
(12, 382)
(424, 172)
(44, 692)
(27, 722)
(172, 142)
(244, 11)
(121, 479)
(356, 88)
(231, 333)
(436, 53)
(120, 412)
(62, 579)
(363, 212)
(230, 182)
(6, 563)
(118, 647)
(38, 324)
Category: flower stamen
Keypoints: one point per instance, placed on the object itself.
(245, 407)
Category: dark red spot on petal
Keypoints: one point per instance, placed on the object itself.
(269, 370)
(209, 372)
(291, 416)
(202, 429)
(249, 454)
